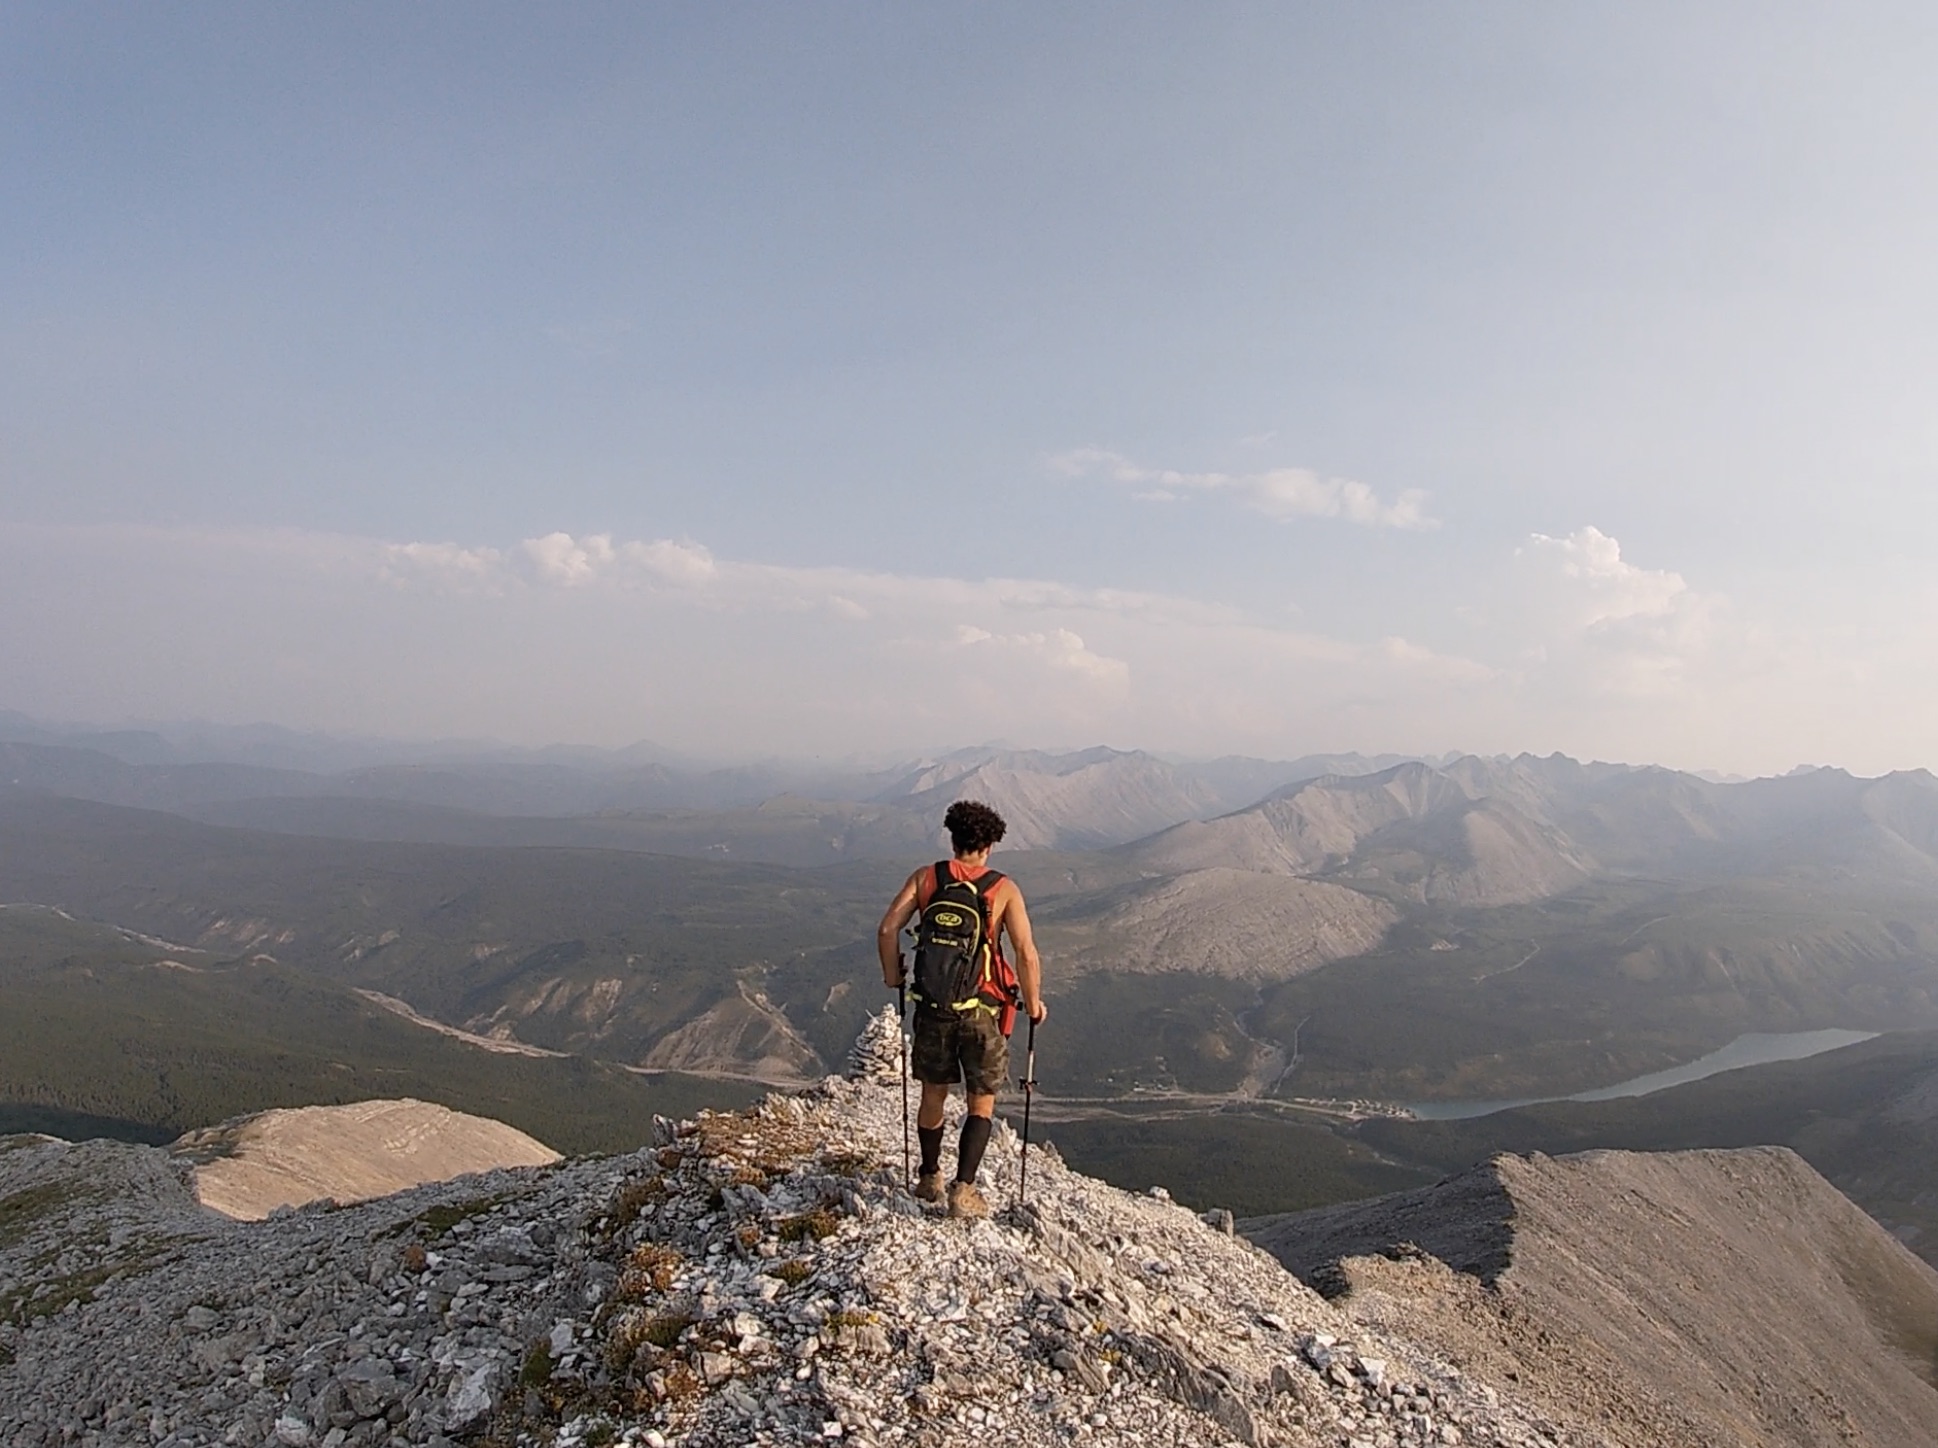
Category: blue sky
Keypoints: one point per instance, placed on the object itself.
(1400, 377)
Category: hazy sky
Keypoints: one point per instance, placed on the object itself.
(785, 378)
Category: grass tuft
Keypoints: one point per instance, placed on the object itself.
(820, 1224)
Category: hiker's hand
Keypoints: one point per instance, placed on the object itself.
(1036, 1010)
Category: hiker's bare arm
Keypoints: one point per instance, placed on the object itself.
(1029, 965)
(888, 938)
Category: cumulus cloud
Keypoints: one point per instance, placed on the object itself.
(555, 560)
(675, 562)
(1280, 493)
(1058, 648)
(561, 558)
(1609, 626)
(446, 563)
(1604, 586)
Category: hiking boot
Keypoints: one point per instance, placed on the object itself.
(966, 1201)
(928, 1187)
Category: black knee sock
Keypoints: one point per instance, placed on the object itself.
(931, 1139)
(975, 1136)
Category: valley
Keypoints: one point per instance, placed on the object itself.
(1238, 951)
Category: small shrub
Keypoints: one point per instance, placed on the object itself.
(651, 1267)
(794, 1271)
(820, 1224)
(414, 1258)
(748, 1235)
(536, 1371)
(622, 1343)
(664, 1330)
(848, 1317)
(638, 1331)
(434, 1222)
(634, 1195)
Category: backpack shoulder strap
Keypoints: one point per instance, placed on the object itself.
(943, 879)
(983, 885)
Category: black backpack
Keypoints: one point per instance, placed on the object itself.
(953, 967)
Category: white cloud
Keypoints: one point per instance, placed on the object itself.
(560, 558)
(1604, 586)
(443, 562)
(1059, 649)
(1281, 493)
(675, 562)
(1612, 628)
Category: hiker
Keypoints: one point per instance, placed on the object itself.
(966, 993)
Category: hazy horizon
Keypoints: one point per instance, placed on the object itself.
(785, 382)
(457, 747)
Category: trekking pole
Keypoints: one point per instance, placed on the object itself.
(1029, 1090)
(901, 1020)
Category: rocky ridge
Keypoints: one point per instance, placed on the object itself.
(1226, 922)
(756, 1277)
(1706, 1299)
(288, 1157)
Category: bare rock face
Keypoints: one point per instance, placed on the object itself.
(1705, 1298)
(250, 1167)
(743, 1035)
(1081, 801)
(1226, 922)
(1440, 836)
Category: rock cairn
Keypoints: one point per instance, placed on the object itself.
(877, 1052)
(757, 1277)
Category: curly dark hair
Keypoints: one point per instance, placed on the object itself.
(972, 826)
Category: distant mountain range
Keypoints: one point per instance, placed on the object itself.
(1236, 930)
(1456, 831)
(1502, 831)
(781, 814)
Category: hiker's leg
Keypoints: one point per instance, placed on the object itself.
(970, 1147)
(929, 1116)
(985, 1061)
(933, 1060)
(928, 1127)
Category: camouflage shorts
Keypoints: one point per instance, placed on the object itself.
(965, 1047)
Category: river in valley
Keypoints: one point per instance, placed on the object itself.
(1755, 1050)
